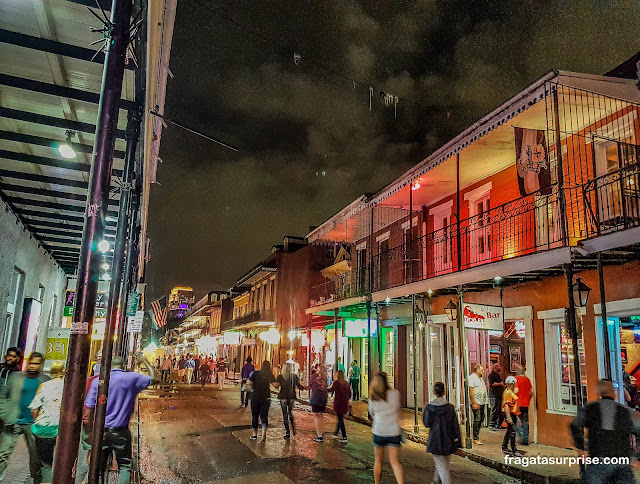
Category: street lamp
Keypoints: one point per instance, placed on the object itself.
(65, 148)
(103, 246)
(292, 334)
(581, 292)
(452, 310)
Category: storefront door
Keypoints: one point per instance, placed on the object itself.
(419, 367)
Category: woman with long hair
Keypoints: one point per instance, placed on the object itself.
(342, 391)
(288, 381)
(384, 408)
(318, 400)
(261, 399)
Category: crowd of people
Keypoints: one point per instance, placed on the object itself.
(194, 368)
(30, 407)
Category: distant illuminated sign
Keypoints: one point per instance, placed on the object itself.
(231, 337)
(357, 328)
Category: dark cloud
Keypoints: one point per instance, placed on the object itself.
(308, 142)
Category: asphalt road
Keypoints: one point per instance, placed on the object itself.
(199, 437)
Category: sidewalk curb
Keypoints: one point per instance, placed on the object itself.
(524, 475)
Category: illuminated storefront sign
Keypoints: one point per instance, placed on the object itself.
(231, 337)
(357, 328)
(480, 316)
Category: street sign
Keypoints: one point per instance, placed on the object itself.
(135, 322)
(56, 348)
(133, 302)
(481, 316)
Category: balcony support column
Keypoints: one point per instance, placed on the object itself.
(416, 428)
(466, 413)
(564, 226)
(458, 239)
(337, 343)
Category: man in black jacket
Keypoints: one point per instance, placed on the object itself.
(610, 427)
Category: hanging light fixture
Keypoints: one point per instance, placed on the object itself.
(103, 246)
(452, 310)
(581, 292)
(65, 148)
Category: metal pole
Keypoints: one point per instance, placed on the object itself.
(132, 134)
(128, 268)
(573, 332)
(605, 326)
(66, 454)
(465, 372)
(560, 167)
(415, 372)
(335, 329)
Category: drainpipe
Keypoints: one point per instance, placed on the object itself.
(88, 268)
(605, 326)
(573, 332)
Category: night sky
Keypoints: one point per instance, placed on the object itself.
(308, 143)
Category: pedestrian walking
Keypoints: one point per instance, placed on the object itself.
(525, 396)
(11, 364)
(196, 368)
(221, 368)
(479, 399)
(610, 427)
(45, 410)
(288, 381)
(444, 433)
(124, 387)
(384, 408)
(95, 368)
(165, 369)
(496, 387)
(261, 399)
(182, 368)
(245, 374)
(342, 391)
(15, 398)
(318, 400)
(511, 412)
(204, 373)
(189, 367)
(355, 380)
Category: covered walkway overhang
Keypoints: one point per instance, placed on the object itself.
(50, 83)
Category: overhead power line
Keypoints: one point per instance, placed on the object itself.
(324, 66)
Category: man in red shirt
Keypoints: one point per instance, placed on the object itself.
(523, 386)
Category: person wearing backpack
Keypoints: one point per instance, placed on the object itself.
(288, 381)
(444, 433)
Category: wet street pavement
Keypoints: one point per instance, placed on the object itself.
(199, 436)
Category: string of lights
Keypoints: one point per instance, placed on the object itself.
(325, 67)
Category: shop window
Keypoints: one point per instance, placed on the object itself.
(561, 379)
(272, 293)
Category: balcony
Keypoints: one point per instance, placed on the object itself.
(267, 316)
(350, 284)
(612, 200)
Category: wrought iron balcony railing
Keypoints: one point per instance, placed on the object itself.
(263, 315)
(343, 286)
(612, 201)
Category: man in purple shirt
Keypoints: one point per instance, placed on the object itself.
(123, 389)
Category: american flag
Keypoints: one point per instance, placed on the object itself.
(159, 308)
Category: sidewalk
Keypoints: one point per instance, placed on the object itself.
(489, 454)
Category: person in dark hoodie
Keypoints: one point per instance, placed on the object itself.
(444, 433)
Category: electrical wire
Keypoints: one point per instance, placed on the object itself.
(324, 66)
